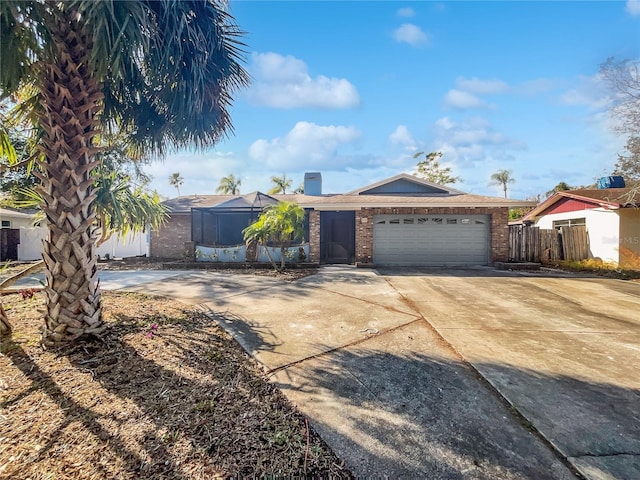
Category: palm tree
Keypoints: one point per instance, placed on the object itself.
(503, 178)
(229, 185)
(176, 180)
(163, 73)
(280, 184)
(121, 207)
(281, 223)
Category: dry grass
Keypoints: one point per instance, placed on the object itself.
(165, 394)
(598, 267)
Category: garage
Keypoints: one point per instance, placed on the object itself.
(431, 240)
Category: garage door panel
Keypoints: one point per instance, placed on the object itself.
(431, 240)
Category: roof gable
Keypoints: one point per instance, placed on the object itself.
(583, 199)
(566, 204)
(405, 184)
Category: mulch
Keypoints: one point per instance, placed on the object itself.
(164, 394)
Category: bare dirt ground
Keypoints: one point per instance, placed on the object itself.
(164, 394)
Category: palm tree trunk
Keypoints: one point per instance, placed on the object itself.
(71, 100)
(5, 326)
(273, 263)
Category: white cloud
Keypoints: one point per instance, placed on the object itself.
(471, 141)
(411, 34)
(307, 146)
(533, 87)
(590, 91)
(633, 7)
(463, 100)
(201, 171)
(406, 12)
(402, 136)
(481, 87)
(475, 130)
(284, 82)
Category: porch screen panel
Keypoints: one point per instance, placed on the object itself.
(196, 226)
(230, 226)
(209, 229)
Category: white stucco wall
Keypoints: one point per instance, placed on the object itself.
(134, 244)
(30, 246)
(603, 227)
(17, 219)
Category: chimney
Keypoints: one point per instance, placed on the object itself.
(313, 183)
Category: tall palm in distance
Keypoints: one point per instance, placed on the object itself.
(280, 184)
(502, 178)
(176, 180)
(163, 73)
(229, 185)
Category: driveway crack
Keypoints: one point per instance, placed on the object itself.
(610, 454)
(341, 347)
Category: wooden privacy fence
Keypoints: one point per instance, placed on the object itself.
(533, 244)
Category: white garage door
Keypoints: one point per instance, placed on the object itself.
(431, 240)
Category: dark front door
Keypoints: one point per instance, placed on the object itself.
(337, 237)
(9, 240)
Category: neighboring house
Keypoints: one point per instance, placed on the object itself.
(403, 220)
(21, 240)
(18, 234)
(611, 216)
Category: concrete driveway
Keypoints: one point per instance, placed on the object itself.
(446, 373)
(564, 351)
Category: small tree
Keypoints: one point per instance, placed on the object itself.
(502, 178)
(176, 180)
(229, 185)
(628, 165)
(280, 184)
(560, 187)
(431, 170)
(623, 79)
(281, 223)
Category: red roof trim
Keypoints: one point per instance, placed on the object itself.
(558, 196)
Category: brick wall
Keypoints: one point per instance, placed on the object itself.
(499, 248)
(314, 236)
(168, 240)
(499, 234)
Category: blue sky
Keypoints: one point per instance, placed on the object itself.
(354, 89)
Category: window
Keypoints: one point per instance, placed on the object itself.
(407, 221)
(437, 220)
(381, 222)
(452, 221)
(6, 223)
(571, 222)
(422, 220)
(394, 221)
(478, 222)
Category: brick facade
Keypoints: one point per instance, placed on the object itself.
(314, 236)
(168, 241)
(499, 247)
